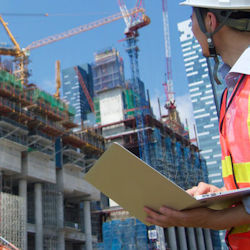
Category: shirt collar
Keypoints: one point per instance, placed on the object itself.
(242, 64)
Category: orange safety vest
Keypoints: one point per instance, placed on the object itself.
(235, 146)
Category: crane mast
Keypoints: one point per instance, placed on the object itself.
(168, 84)
(133, 23)
(58, 79)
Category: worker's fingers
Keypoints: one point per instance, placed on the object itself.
(166, 217)
(156, 218)
(204, 188)
(192, 190)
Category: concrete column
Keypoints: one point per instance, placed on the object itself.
(172, 244)
(87, 225)
(38, 217)
(23, 193)
(208, 239)
(60, 210)
(200, 238)
(182, 238)
(60, 222)
(160, 238)
(191, 238)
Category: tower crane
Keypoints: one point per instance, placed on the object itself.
(173, 115)
(133, 24)
(22, 55)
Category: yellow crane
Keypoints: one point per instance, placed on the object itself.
(21, 55)
(58, 79)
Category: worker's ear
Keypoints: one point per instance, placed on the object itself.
(211, 22)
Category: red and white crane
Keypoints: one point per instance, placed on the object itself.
(133, 24)
(168, 84)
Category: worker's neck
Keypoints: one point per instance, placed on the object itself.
(231, 44)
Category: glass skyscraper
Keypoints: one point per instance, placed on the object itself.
(202, 97)
(74, 94)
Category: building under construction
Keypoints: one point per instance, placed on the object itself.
(44, 201)
(173, 156)
(170, 152)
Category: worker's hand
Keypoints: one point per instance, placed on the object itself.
(204, 188)
(199, 217)
(167, 217)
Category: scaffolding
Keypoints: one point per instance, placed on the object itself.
(41, 112)
(87, 140)
(12, 219)
(33, 107)
(108, 70)
(127, 233)
(49, 201)
(190, 177)
(169, 159)
(49, 195)
(170, 153)
(181, 168)
(157, 152)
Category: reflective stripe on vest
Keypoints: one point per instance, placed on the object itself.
(235, 147)
(241, 173)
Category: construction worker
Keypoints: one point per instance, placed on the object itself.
(222, 27)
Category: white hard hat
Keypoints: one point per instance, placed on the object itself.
(219, 4)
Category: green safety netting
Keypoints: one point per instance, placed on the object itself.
(38, 94)
(9, 78)
(97, 110)
(129, 97)
(71, 110)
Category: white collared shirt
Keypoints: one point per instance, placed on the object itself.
(242, 65)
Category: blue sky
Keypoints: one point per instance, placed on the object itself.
(64, 15)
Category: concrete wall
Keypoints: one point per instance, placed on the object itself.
(111, 106)
(39, 166)
(10, 156)
(74, 183)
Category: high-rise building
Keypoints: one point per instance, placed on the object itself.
(74, 94)
(108, 70)
(204, 105)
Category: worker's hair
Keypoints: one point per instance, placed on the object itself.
(238, 19)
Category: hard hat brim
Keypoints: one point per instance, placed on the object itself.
(200, 5)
